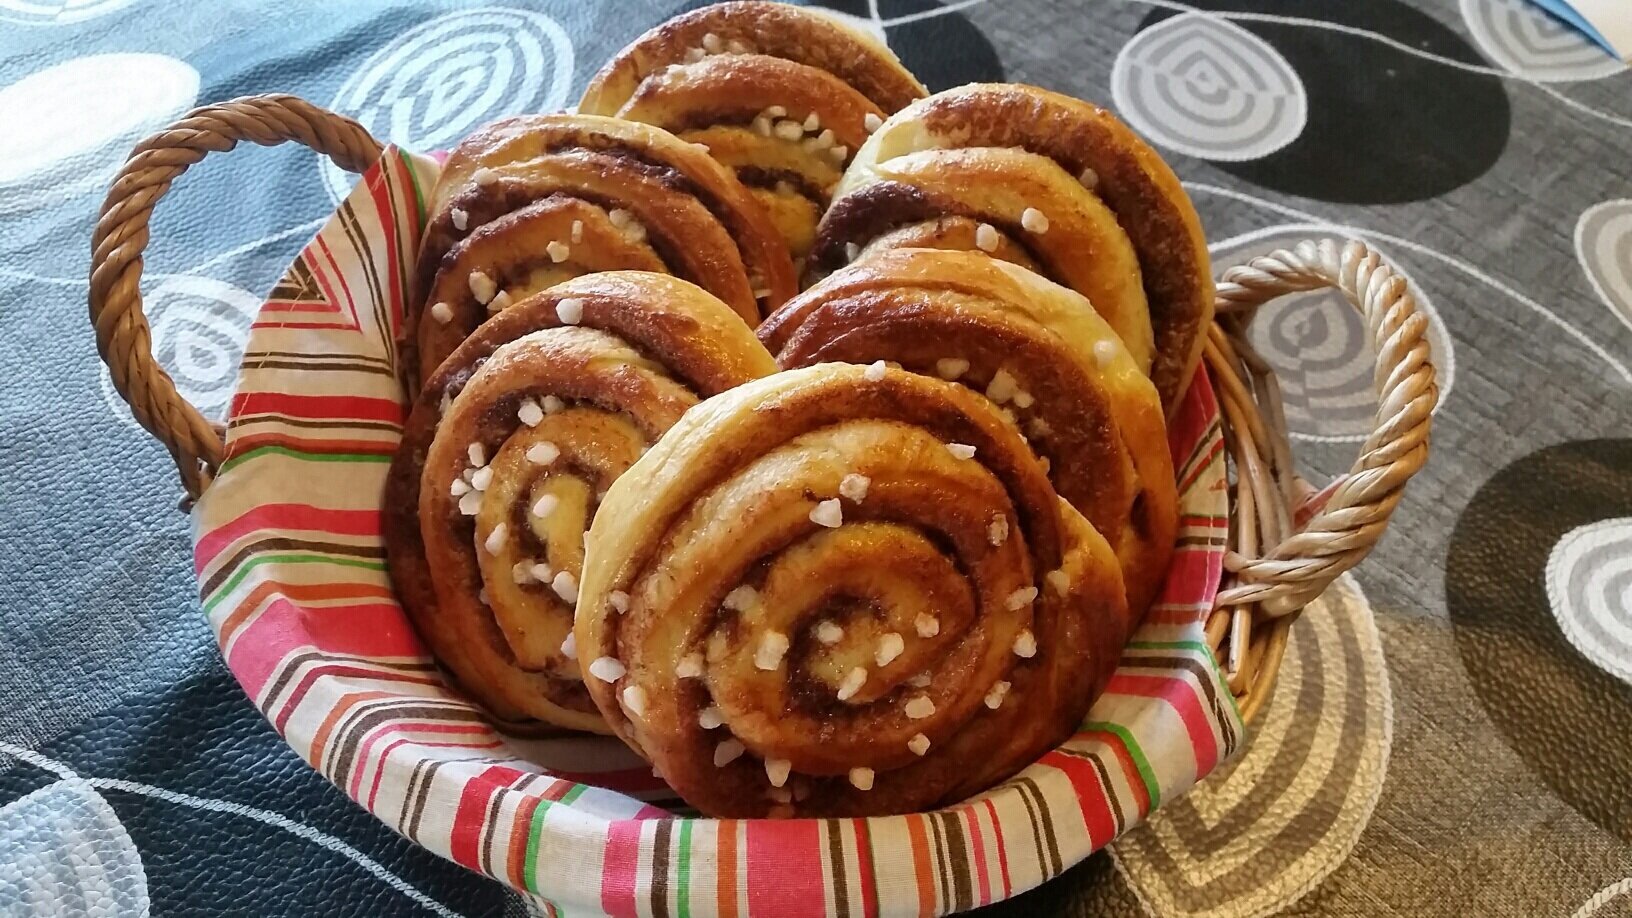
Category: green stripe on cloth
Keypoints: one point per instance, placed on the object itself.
(244, 569)
(536, 828)
(1142, 764)
(259, 451)
(683, 870)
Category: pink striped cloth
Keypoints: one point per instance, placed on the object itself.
(291, 568)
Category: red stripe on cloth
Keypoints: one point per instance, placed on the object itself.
(785, 868)
(385, 755)
(1194, 415)
(396, 732)
(1092, 796)
(376, 630)
(378, 187)
(1002, 850)
(619, 867)
(346, 300)
(864, 867)
(1181, 696)
(1192, 578)
(337, 324)
(318, 407)
(977, 850)
(470, 816)
(272, 517)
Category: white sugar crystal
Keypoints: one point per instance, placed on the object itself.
(998, 532)
(1034, 220)
(496, 538)
(919, 708)
(961, 450)
(921, 680)
(986, 237)
(839, 154)
(741, 599)
(776, 111)
(854, 487)
(482, 287)
(710, 718)
(620, 218)
(470, 503)
(689, 667)
(459, 487)
(552, 404)
(950, 368)
(484, 176)
(618, 600)
(853, 681)
(607, 669)
(482, 478)
(1104, 353)
(500, 302)
(477, 453)
(823, 141)
(727, 752)
(442, 312)
(830, 633)
(828, 513)
(788, 130)
(1025, 644)
(1058, 581)
(634, 700)
(919, 744)
(861, 778)
(926, 625)
(871, 122)
(772, 648)
(522, 572)
(558, 251)
(994, 698)
(577, 231)
(543, 453)
(762, 126)
(570, 310)
(461, 220)
(1020, 598)
(543, 573)
(693, 55)
(529, 413)
(569, 647)
(875, 371)
(1089, 178)
(482, 597)
(565, 586)
(545, 505)
(737, 46)
(852, 251)
(1023, 399)
(1002, 387)
(777, 771)
(813, 123)
(890, 646)
(713, 44)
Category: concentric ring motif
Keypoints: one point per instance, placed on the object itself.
(1313, 770)
(1206, 87)
(1520, 38)
(200, 325)
(1603, 244)
(436, 82)
(1589, 587)
(1317, 344)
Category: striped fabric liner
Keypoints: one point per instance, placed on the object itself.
(291, 569)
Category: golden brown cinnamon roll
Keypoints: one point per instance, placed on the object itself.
(505, 458)
(843, 590)
(782, 95)
(1034, 348)
(1052, 183)
(528, 202)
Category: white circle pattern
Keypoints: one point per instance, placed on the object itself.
(435, 83)
(1206, 87)
(1589, 587)
(1603, 245)
(57, 12)
(1522, 39)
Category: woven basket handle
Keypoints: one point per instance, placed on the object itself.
(1294, 567)
(122, 333)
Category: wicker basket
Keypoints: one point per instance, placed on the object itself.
(1287, 541)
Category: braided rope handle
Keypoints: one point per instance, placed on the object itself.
(1278, 562)
(122, 333)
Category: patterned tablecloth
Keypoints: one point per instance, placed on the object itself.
(1452, 730)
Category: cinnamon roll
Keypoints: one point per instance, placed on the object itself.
(505, 459)
(1037, 350)
(843, 590)
(1051, 183)
(784, 96)
(528, 202)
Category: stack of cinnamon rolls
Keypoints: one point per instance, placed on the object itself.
(800, 428)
